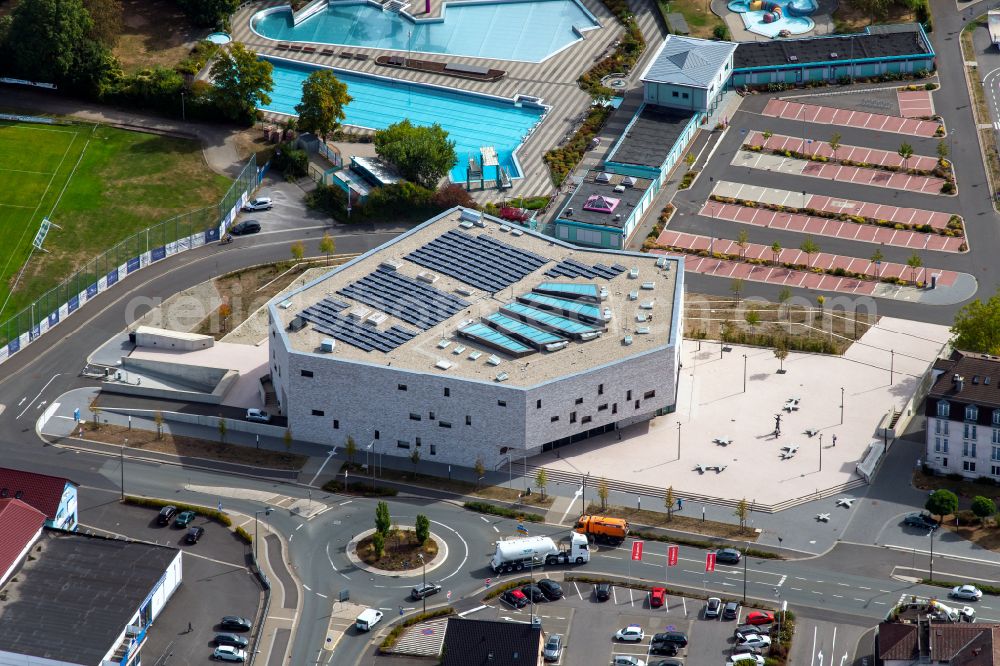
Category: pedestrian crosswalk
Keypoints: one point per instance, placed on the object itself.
(424, 639)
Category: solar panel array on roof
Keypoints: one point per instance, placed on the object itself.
(573, 290)
(480, 261)
(522, 332)
(572, 268)
(328, 306)
(404, 298)
(364, 337)
(485, 335)
(553, 322)
(590, 314)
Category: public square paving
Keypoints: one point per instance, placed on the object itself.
(849, 174)
(855, 154)
(821, 226)
(712, 404)
(915, 103)
(812, 113)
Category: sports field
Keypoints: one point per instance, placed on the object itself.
(99, 184)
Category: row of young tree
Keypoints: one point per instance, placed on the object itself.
(386, 528)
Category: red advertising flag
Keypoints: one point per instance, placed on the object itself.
(637, 550)
(710, 562)
(672, 555)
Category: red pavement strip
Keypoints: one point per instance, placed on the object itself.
(844, 152)
(788, 256)
(811, 113)
(821, 226)
(936, 219)
(915, 103)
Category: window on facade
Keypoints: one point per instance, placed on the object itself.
(579, 401)
(444, 424)
(969, 449)
(318, 412)
(402, 444)
(937, 445)
(648, 394)
(501, 403)
(995, 470)
(434, 449)
(414, 417)
(995, 453)
(603, 407)
(969, 431)
(600, 389)
(376, 434)
(637, 404)
(538, 404)
(969, 465)
(676, 94)
(307, 373)
(553, 419)
(996, 417)
(614, 408)
(336, 424)
(430, 415)
(468, 420)
(401, 387)
(996, 435)
(572, 417)
(943, 408)
(447, 393)
(417, 440)
(685, 95)
(944, 462)
(971, 413)
(585, 419)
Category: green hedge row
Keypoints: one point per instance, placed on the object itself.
(243, 534)
(509, 585)
(214, 514)
(390, 641)
(337, 486)
(494, 510)
(700, 543)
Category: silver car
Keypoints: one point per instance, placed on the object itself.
(553, 648)
(260, 203)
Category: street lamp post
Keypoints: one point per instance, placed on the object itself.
(124, 444)
(841, 405)
(424, 595)
(678, 440)
(821, 452)
(371, 447)
(746, 549)
(892, 364)
(267, 512)
(930, 569)
(744, 373)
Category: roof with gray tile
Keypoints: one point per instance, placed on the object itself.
(688, 61)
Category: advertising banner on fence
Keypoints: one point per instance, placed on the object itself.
(637, 550)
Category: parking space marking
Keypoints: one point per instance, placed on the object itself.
(614, 597)
(684, 602)
(578, 592)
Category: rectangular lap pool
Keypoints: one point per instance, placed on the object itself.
(529, 30)
(472, 121)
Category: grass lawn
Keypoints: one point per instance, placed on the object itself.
(850, 18)
(154, 33)
(100, 185)
(700, 18)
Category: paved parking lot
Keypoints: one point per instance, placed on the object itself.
(216, 581)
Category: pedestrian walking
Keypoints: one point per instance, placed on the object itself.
(190, 628)
(835, 440)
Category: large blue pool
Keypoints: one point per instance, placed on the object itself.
(472, 121)
(530, 30)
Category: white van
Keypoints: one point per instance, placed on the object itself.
(368, 619)
(745, 660)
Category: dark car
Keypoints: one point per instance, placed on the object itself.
(921, 520)
(166, 515)
(245, 227)
(184, 518)
(424, 590)
(677, 638)
(746, 649)
(731, 610)
(667, 662)
(745, 630)
(533, 593)
(515, 598)
(662, 648)
(235, 623)
(194, 534)
(602, 591)
(550, 588)
(727, 556)
(231, 639)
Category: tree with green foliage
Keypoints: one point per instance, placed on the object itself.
(776, 251)
(350, 449)
(742, 240)
(736, 286)
(288, 439)
(324, 97)
(298, 250)
(668, 502)
(327, 246)
(415, 459)
(876, 259)
(422, 528)
(942, 149)
(690, 160)
(541, 480)
(158, 420)
(983, 507)
(767, 134)
(45, 39)
(781, 353)
(242, 82)
(906, 152)
(742, 512)
(480, 470)
(914, 262)
(223, 428)
(423, 155)
(602, 493)
(942, 503)
(835, 144)
(977, 326)
(378, 545)
(809, 247)
(752, 318)
(383, 521)
(209, 13)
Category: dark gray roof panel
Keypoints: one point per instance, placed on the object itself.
(777, 52)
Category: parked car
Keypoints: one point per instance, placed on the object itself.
(745, 630)
(166, 515)
(235, 623)
(232, 640)
(245, 227)
(602, 591)
(921, 520)
(757, 618)
(632, 632)
(627, 660)
(533, 593)
(746, 649)
(229, 653)
(966, 593)
(657, 597)
(515, 598)
(553, 648)
(194, 534)
(662, 647)
(731, 610)
(258, 415)
(727, 556)
(677, 638)
(184, 518)
(260, 203)
(667, 662)
(745, 660)
(713, 607)
(551, 589)
(755, 640)
(424, 590)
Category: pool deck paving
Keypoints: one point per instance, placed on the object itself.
(712, 404)
(812, 113)
(856, 154)
(553, 80)
(915, 103)
(838, 172)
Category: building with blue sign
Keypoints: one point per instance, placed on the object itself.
(54, 496)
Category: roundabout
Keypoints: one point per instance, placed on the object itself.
(357, 552)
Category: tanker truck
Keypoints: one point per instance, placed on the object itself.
(517, 554)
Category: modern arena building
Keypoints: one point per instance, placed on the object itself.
(468, 338)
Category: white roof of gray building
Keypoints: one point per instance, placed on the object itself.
(688, 61)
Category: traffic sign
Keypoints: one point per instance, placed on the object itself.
(449, 595)
(710, 562)
(673, 554)
(637, 550)
(488, 581)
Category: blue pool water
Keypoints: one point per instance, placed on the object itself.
(793, 17)
(527, 30)
(470, 120)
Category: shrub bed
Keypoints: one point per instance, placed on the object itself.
(687, 180)
(359, 488)
(942, 170)
(390, 641)
(701, 543)
(214, 514)
(564, 159)
(495, 510)
(497, 590)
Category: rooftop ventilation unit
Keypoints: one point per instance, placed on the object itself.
(661, 262)
(619, 188)
(284, 305)
(833, 55)
(296, 324)
(590, 335)
(464, 291)
(618, 217)
(568, 212)
(603, 177)
(427, 277)
(642, 330)
(556, 346)
(327, 345)
(376, 318)
(793, 58)
(649, 285)
(648, 305)
(442, 365)
(641, 317)
(469, 215)
(502, 376)
(629, 181)
(391, 265)
(466, 225)
(475, 354)
(607, 314)
(358, 314)
(627, 341)
(633, 273)
(604, 294)
(444, 344)
(458, 350)
(505, 228)
(516, 232)
(493, 360)
(633, 295)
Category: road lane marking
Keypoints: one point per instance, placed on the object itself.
(37, 396)
(496, 529)
(578, 592)
(484, 519)
(308, 589)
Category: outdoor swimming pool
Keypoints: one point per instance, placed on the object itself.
(530, 30)
(792, 16)
(472, 121)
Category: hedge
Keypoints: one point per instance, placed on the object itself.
(390, 641)
(698, 543)
(509, 585)
(337, 486)
(243, 534)
(987, 589)
(214, 514)
(494, 510)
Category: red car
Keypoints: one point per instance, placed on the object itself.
(759, 617)
(657, 597)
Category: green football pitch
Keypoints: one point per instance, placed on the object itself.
(99, 185)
